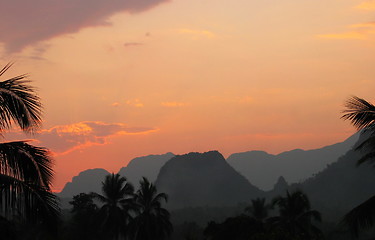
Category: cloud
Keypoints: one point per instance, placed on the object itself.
(174, 104)
(63, 139)
(360, 31)
(368, 5)
(196, 33)
(363, 25)
(115, 104)
(346, 35)
(25, 23)
(135, 103)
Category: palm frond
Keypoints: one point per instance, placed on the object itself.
(258, 208)
(360, 112)
(99, 197)
(32, 201)
(5, 68)
(26, 162)
(367, 143)
(367, 158)
(19, 103)
(160, 196)
(361, 217)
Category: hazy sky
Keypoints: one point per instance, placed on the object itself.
(126, 78)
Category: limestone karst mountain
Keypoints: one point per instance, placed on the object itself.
(147, 166)
(203, 179)
(263, 169)
(86, 181)
(207, 179)
(90, 180)
(280, 186)
(341, 186)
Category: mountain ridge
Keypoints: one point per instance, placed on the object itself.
(200, 179)
(255, 164)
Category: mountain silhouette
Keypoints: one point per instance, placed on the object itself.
(341, 186)
(281, 186)
(90, 180)
(86, 181)
(147, 166)
(263, 169)
(203, 179)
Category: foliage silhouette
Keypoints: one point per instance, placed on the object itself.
(117, 198)
(151, 221)
(258, 209)
(81, 224)
(236, 228)
(362, 115)
(295, 217)
(25, 170)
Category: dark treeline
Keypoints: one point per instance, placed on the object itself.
(118, 213)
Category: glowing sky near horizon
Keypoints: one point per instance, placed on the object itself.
(130, 78)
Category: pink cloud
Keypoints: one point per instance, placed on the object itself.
(63, 139)
(24, 23)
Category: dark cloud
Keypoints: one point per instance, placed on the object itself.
(27, 22)
(66, 138)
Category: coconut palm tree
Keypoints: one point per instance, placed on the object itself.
(362, 115)
(258, 209)
(117, 197)
(295, 219)
(25, 170)
(152, 221)
(80, 225)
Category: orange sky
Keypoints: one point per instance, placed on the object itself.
(133, 78)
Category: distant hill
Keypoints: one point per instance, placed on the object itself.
(263, 169)
(341, 186)
(147, 166)
(87, 181)
(280, 187)
(90, 180)
(203, 179)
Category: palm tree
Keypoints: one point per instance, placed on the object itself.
(84, 211)
(25, 170)
(114, 215)
(258, 213)
(296, 216)
(152, 221)
(362, 115)
(258, 209)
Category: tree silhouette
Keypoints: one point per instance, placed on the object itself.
(295, 217)
(152, 221)
(362, 115)
(114, 216)
(81, 224)
(25, 170)
(258, 209)
(241, 227)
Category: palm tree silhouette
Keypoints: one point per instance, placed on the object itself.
(258, 213)
(25, 170)
(362, 115)
(258, 209)
(83, 211)
(295, 219)
(114, 215)
(152, 221)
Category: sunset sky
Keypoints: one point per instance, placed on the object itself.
(126, 78)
